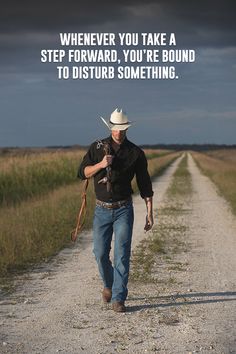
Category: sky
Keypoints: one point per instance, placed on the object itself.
(38, 109)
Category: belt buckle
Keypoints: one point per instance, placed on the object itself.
(114, 205)
(107, 205)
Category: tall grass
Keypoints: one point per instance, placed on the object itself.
(223, 154)
(222, 172)
(26, 176)
(157, 165)
(38, 228)
(153, 153)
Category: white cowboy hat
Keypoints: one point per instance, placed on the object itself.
(118, 120)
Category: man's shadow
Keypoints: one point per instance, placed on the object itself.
(181, 300)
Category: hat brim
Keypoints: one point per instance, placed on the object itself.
(116, 126)
(119, 126)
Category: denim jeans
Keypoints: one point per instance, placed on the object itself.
(119, 221)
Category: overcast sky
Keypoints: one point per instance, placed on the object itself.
(37, 109)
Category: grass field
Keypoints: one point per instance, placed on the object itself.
(41, 203)
(228, 155)
(220, 166)
(151, 153)
(22, 177)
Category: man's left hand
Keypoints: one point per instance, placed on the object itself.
(149, 223)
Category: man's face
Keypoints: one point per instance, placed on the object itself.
(118, 135)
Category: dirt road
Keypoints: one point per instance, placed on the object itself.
(57, 308)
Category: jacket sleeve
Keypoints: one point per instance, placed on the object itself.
(88, 160)
(142, 176)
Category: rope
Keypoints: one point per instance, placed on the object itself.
(81, 214)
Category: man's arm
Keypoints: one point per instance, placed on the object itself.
(90, 164)
(149, 217)
(145, 188)
(91, 170)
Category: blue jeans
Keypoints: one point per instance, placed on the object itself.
(120, 221)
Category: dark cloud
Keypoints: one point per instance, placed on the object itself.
(31, 25)
(211, 14)
(53, 15)
(28, 15)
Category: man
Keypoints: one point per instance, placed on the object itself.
(113, 173)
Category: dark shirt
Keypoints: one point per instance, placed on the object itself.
(128, 161)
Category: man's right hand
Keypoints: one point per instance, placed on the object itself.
(106, 161)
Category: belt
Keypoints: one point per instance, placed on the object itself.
(113, 205)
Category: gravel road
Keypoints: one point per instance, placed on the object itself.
(57, 308)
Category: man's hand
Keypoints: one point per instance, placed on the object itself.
(90, 171)
(106, 161)
(149, 223)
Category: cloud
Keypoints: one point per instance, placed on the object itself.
(203, 95)
(46, 16)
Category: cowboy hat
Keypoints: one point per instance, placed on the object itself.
(118, 120)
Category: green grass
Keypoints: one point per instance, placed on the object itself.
(24, 177)
(182, 182)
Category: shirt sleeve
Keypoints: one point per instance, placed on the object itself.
(142, 176)
(88, 160)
